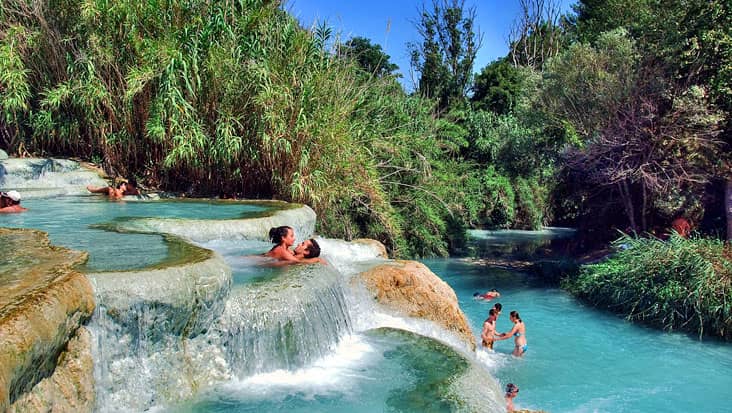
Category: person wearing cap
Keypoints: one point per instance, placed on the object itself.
(10, 202)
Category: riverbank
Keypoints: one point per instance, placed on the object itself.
(679, 284)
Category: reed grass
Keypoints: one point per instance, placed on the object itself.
(676, 284)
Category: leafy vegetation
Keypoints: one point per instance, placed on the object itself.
(678, 284)
(617, 116)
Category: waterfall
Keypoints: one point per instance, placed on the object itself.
(285, 323)
(41, 177)
(151, 350)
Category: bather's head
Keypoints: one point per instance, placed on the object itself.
(282, 235)
(308, 248)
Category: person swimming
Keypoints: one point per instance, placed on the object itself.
(308, 251)
(518, 332)
(487, 295)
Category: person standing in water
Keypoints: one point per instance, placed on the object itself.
(519, 332)
(511, 393)
(489, 330)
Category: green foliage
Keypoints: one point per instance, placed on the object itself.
(445, 57)
(370, 57)
(585, 85)
(497, 87)
(681, 284)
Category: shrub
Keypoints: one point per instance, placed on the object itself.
(681, 284)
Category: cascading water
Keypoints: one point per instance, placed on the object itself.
(284, 323)
(168, 329)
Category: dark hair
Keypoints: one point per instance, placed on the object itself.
(498, 307)
(277, 233)
(492, 311)
(313, 249)
(516, 315)
(132, 181)
(119, 185)
(511, 388)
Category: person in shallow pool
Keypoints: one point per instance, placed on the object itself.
(511, 393)
(10, 202)
(123, 189)
(308, 251)
(519, 332)
(284, 237)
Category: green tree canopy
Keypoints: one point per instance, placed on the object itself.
(370, 57)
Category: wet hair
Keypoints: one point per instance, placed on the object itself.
(491, 312)
(313, 249)
(277, 233)
(511, 388)
(498, 307)
(516, 315)
(132, 182)
(119, 185)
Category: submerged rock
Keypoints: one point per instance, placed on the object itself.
(409, 287)
(44, 302)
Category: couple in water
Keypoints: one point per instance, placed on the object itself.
(489, 335)
(307, 252)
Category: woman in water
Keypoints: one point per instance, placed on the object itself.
(519, 332)
(283, 237)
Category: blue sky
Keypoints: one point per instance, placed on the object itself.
(390, 24)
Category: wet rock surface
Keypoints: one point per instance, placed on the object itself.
(44, 302)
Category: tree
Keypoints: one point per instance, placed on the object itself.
(652, 149)
(445, 57)
(369, 57)
(497, 87)
(537, 34)
(585, 85)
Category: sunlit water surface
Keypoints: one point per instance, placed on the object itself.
(69, 221)
(585, 360)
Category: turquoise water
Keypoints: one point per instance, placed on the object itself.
(381, 370)
(67, 221)
(585, 360)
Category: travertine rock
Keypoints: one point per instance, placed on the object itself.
(412, 289)
(70, 388)
(43, 304)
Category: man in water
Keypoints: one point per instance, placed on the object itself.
(123, 189)
(308, 252)
(10, 202)
(489, 329)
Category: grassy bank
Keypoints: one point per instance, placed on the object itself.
(676, 284)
